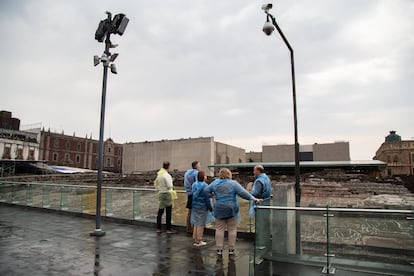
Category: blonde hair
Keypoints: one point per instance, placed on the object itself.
(224, 173)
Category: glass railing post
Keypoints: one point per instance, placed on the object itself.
(15, 196)
(411, 219)
(136, 210)
(2, 193)
(45, 197)
(82, 207)
(328, 269)
(29, 195)
(63, 198)
(108, 202)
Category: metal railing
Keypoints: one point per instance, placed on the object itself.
(120, 202)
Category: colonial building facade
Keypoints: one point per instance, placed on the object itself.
(398, 154)
(14, 143)
(65, 150)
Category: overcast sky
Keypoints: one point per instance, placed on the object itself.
(191, 68)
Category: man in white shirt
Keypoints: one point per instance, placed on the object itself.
(164, 185)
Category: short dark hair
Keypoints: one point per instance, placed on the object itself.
(194, 164)
(201, 175)
(166, 164)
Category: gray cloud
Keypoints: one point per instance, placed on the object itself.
(198, 68)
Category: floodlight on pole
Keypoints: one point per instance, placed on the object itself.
(106, 27)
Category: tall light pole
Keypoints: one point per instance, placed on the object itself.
(268, 28)
(106, 27)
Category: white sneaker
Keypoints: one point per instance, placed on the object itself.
(203, 243)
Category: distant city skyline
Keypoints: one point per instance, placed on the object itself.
(202, 69)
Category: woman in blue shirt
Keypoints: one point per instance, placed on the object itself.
(226, 208)
(200, 209)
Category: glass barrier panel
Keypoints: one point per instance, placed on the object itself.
(64, 198)
(108, 203)
(45, 196)
(371, 240)
(16, 193)
(147, 205)
(3, 192)
(122, 203)
(74, 195)
(179, 211)
(55, 197)
(37, 195)
(29, 194)
(89, 200)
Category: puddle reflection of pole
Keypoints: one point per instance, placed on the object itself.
(97, 266)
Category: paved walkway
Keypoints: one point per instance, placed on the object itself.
(40, 242)
(36, 242)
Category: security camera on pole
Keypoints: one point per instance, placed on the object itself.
(106, 27)
(268, 29)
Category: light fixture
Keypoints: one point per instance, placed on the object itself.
(105, 28)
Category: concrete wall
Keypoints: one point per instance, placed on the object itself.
(229, 154)
(149, 156)
(338, 151)
(254, 157)
(278, 153)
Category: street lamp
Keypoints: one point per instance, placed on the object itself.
(268, 29)
(106, 27)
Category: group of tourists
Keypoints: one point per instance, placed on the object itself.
(217, 201)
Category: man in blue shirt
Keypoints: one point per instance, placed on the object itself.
(262, 188)
(190, 177)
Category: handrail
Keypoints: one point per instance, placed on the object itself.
(356, 210)
(82, 186)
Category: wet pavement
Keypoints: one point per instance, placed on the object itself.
(34, 242)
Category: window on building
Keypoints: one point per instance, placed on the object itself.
(109, 150)
(7, 151)
(395, 159)
(56, 143)
(119, 162)
(78, 147)
(67, 157)
(31, 154)
(55, 156)
(67, 145)
(388, 159)
(77, 158)
(19, 153)
(108, 162)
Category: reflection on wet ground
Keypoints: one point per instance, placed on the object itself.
(36, 242)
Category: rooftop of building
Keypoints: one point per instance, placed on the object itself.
(327, 164)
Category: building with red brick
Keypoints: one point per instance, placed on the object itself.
(66, 150)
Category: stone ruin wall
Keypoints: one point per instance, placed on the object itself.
(333, 187)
